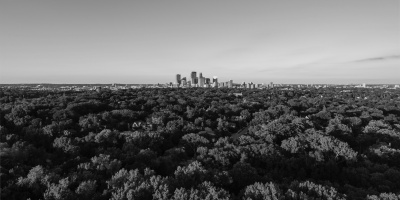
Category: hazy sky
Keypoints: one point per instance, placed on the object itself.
(308, 41)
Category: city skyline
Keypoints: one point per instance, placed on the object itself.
(330, 42)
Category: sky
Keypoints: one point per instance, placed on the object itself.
(102, 41)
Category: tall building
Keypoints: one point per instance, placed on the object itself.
(195, 80)
(215, 79)
(202, 80)
(183, 81)
(230, 83)
(214, 84)
(193, 75)
(249, 85)
(178, 79)
(201, 75)
(207, 80)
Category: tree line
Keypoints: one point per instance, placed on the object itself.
(325, 143)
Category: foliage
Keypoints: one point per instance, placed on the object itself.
(200, 143)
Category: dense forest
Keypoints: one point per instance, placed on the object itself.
(326, 143)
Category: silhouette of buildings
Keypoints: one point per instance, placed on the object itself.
(202, 81)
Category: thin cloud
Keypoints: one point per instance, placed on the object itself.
(384, 58)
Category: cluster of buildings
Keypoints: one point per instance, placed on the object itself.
(364, 85)
(192, 81)
(204, 82)
(199, 81)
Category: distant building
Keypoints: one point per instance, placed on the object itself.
(193, 75)
(215, 79)
(230, 84)
(183, 80)
(178, 79)
(202, 81)
(207, 80)
(215, 84)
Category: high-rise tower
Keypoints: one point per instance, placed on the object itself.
(184, 81)
(202, 81)
(215, 79)
(193, 75)
(178, 79)
(230, 84)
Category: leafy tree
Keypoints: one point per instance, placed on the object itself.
(309, 190)
(192, 141)
(135, 185)
(206, 191)
(190, 175)
(243, 174)
(59, 191)
(318, 146)
(384, 196)
(260, 191)
(87, 190)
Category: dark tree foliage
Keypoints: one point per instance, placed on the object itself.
(326, 143)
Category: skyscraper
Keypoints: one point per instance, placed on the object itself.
(193, 75)
(214, 84)
(215, 79)
(184, 81)
(201, 75)
(202, 80)
(178, 79)
(230, 84)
